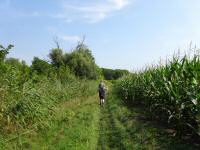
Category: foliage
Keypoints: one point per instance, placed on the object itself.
(28, 94)
(13, 61)
(80, 61)
(131, 129)
(4, 51)
(56, 57)
(40, 66)
(110, 74)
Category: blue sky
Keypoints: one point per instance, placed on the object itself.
(125, 34)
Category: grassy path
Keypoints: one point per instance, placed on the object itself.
(122, 128)
(81, 124)
(75, 127)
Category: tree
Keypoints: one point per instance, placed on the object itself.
(82, 63)
(66, 58)
(4, 51)
(110, 74)
(13, 61)
(56, 57)
(40, 66)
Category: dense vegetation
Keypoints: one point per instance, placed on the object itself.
(169, 92)
(28, 94)
(79, 62)
(52, 104)
(129, 128)
(114, 74)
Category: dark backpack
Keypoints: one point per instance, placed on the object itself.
(101, 88)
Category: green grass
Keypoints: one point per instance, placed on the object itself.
(73, 126)
(81, 124)
(130, 129)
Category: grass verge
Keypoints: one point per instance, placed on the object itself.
(130, 129)
(73, 126)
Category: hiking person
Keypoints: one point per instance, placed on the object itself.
(102, 92)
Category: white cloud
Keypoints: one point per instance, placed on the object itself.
(70, 38)
(92, 12)
(119, 4)
(64, 37)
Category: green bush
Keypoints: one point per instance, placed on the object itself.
(110, 74)
(28, 94)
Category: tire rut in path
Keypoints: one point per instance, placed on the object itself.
(109, 136)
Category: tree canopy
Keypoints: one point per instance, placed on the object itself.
(110, 74)
(4, 51)
(80, 61)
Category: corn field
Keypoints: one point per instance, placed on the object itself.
(170, 92)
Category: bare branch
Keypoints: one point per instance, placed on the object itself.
(55, 39)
